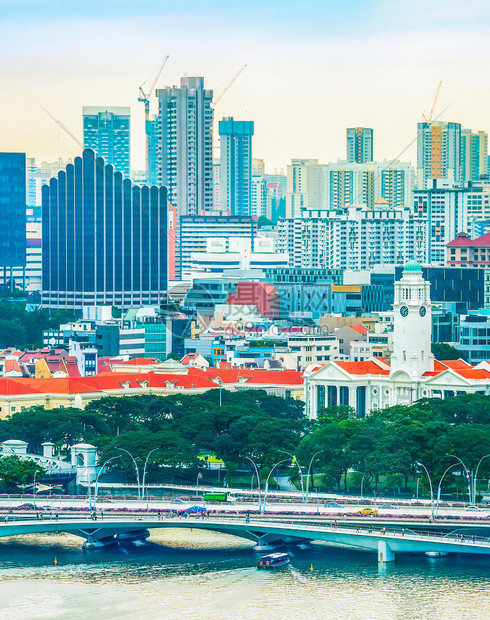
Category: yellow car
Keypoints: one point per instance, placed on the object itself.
(367, 511)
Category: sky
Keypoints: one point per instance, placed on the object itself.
(313, 68)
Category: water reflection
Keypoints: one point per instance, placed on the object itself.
(214, 576)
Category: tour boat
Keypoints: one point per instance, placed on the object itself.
(273, 560)
(436, 554)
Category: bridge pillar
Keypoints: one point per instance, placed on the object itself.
(385, 554)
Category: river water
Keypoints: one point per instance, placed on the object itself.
(195, 574)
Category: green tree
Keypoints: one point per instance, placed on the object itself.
(16, 472)
(444, 351)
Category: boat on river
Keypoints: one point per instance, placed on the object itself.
(273, 560)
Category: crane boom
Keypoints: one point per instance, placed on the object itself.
(229, 85)
(145, 98)
(429, 119)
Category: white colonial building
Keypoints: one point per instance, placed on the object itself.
(410, 374)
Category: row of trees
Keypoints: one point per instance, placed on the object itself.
(25, 327)
(385, 446)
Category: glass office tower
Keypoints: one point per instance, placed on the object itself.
(104, 239)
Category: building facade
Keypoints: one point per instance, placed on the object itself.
(194, 230)
(236, 166)
(450, 210)
(12, 212)
(410, 374)
(359, 145)
(438, 151)
(182, 153)
(353, 238)
(107, 132)
(104, 239)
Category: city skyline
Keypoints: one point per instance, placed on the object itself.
(375, 57)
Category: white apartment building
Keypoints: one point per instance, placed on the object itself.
(354, 237)
(450, 210)
(333, 186)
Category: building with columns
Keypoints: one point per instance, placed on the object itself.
(411, 373)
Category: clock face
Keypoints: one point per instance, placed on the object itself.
(422, 310)
(404, 311)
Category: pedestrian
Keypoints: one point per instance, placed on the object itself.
(370, 529)
(247, 518)
(473, 538)
(357, 527)
(384, 531)
(403, 531)
(6, 518)
(159, 516)
(56, 516)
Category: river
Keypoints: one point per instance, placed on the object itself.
(195, 574)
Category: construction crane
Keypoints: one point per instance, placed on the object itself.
(429, 118)
(229, 85)
(145, 98)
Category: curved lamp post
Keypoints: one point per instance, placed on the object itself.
(295, 460)
(362, 484)
(308, 474)
(440, 485)
(258, 480)
(475, 478)
(431, 489)
(144, 475)
(96, 488)
(267, 483)
(135, 467)
(468, 477)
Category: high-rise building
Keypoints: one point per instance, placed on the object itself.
(474, 155)
(236, 165)
(107, 132)
(12, 211)
(181, 157)
(304, 186)
(450, 210)
(438, 152)
(354, 237)
(258, 167)
(359, 145)
(104, 238)
(347, 184)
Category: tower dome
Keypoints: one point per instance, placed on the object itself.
(412, 266)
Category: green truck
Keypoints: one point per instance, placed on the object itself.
(218, 497)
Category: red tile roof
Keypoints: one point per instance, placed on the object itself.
(360, 329)
(463, 240)
(140, 361)
(368, 367)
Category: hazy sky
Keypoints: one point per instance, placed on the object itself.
(315, 67)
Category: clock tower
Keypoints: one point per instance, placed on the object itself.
(412, 323)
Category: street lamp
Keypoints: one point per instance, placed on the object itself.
(362, 484)
(308, 474)
(144, 475)
(96, 488)
(417, 492)
(475, 478)
(468, 477)
(267, 483)
(431, 490)
(135, 467)
(295, 460)
(258, 480)
(199, 476)
(220, 383)
(34, 490)
(440, 484)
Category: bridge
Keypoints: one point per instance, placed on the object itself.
(268, 532)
